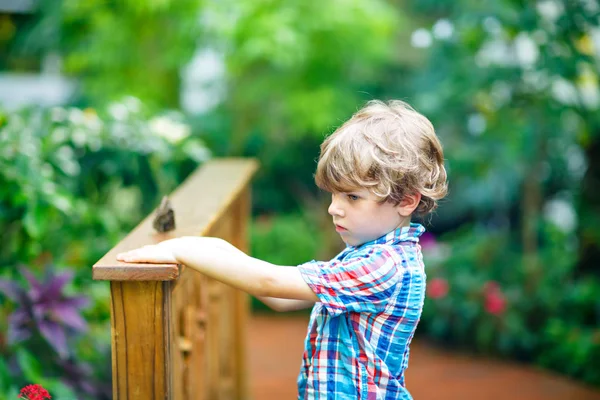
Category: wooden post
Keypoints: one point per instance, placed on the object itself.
(177, 334)
(141, 340)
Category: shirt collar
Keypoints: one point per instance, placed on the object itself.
(409, 233)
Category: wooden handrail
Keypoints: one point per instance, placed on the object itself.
(175, 333)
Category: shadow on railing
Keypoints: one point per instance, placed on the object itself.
(175, 333)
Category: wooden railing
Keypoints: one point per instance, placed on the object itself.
(177, 334)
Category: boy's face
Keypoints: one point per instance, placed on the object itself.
(359, 217)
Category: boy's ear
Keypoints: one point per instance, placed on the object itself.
(408, 204)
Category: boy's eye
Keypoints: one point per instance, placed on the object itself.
(353, 197)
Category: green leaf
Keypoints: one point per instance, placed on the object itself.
(30, 364)
(35, 221)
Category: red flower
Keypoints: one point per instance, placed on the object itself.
(34, 392)
(495, 302)
(438, 288)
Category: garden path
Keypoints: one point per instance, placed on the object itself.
(275, 349)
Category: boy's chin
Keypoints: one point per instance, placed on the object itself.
(353, 242)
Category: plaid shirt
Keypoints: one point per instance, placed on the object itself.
(371, 297)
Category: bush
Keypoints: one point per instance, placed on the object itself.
(484, 295)
(73, 182)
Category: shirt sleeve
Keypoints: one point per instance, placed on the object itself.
(362, 283)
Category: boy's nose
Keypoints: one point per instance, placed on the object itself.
(335, 210)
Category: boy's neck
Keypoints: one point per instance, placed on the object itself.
(404, 223)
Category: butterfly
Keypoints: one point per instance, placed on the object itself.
(164, 221)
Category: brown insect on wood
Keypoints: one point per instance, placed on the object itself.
(164, 220)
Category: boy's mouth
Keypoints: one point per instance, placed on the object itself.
(339, 228)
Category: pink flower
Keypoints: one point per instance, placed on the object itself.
(495, 302)
(438, 288)
(34, 392)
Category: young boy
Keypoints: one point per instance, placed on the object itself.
(381, 167)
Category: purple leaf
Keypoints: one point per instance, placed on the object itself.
(11, 290)
(69, 316)
(46, 307)
(39, 310)
(76, 302)
(36, 287)
(18, 329)
(88, 387)
(20, 317)
(55, 336)
(52, 290)
(77, 375)
(17, 334)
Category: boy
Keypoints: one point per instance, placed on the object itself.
(381, 166)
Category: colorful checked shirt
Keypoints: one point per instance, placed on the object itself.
(371, 297)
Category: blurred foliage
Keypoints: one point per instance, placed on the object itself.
(13, 56)
(133, 47)
(295, 71)
(483, 296)
(512, 88)
(287, 48)
(73, 182)
(95, 172)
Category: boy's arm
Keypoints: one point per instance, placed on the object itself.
(283, 305)
(216, 259)
(280, 305)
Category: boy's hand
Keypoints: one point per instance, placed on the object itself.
(154, 254)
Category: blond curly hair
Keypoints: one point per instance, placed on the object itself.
(389, 149)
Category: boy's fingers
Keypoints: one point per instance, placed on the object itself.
(148, 254)
(127, 256)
